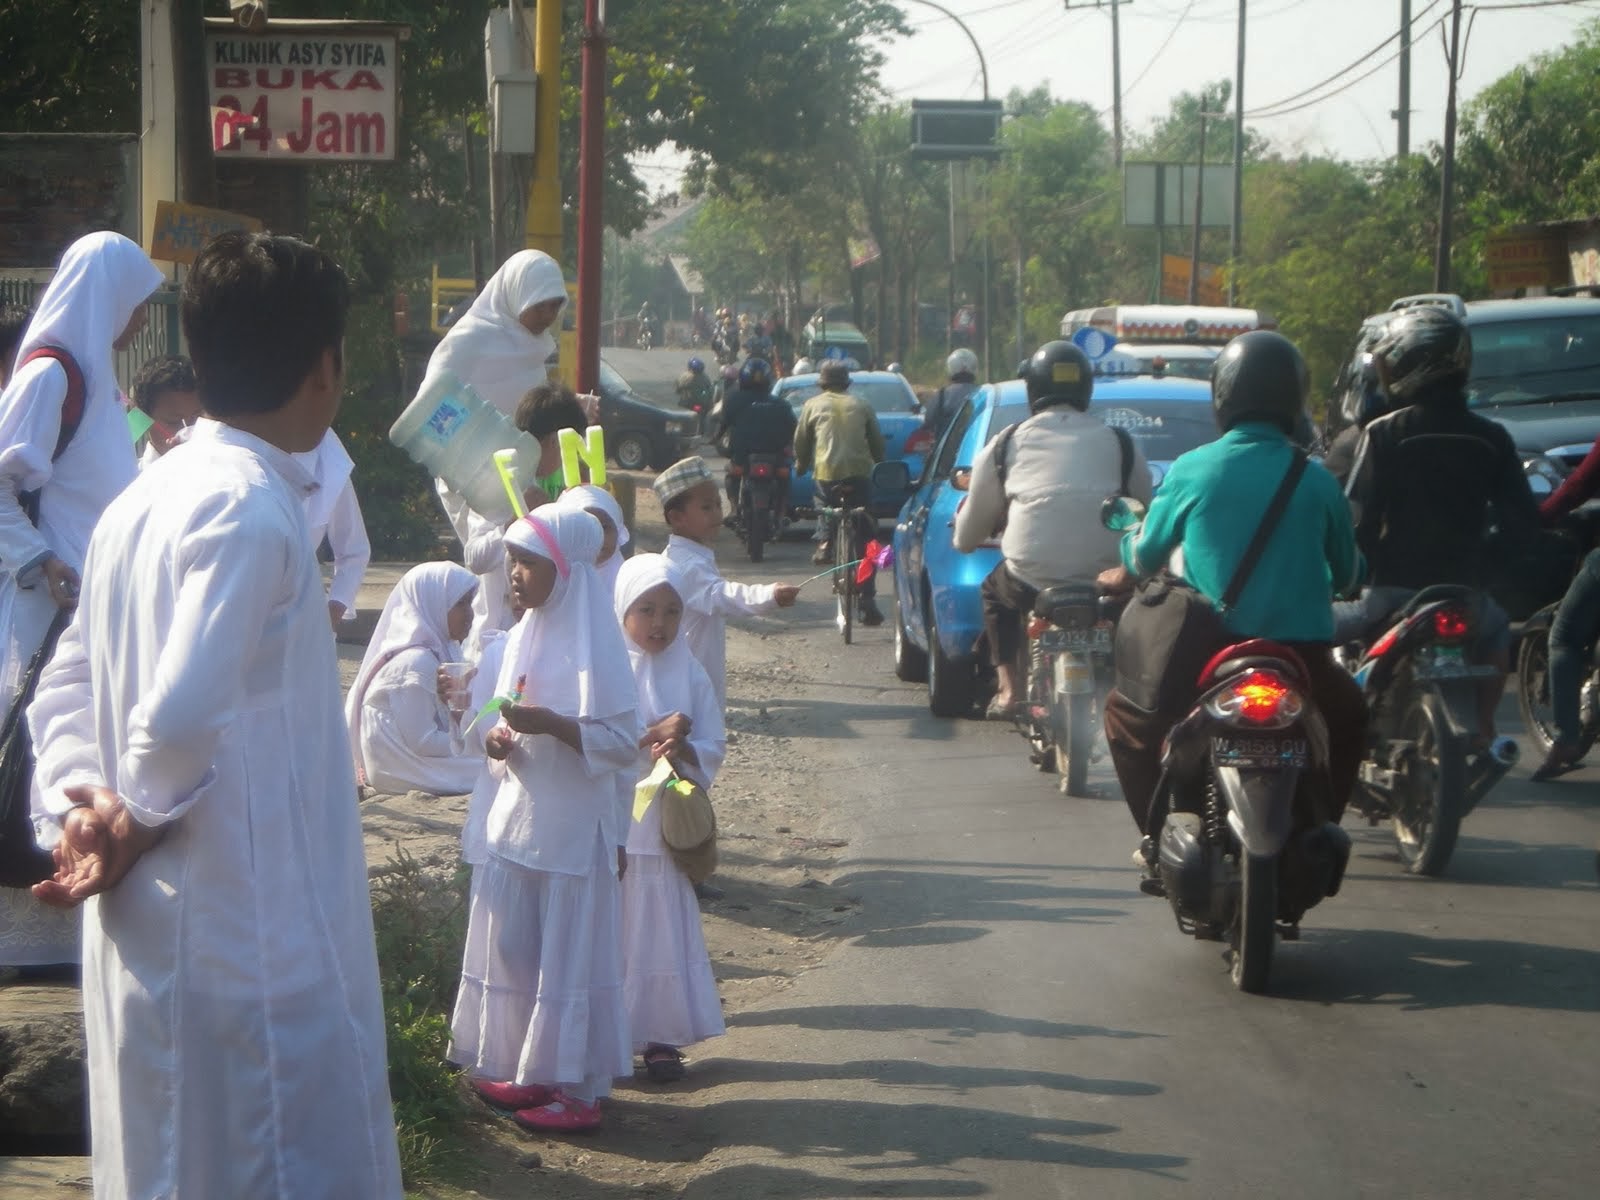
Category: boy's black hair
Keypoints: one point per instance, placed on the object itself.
(169, 373)
(259, 310)
(14, 320)
(549, 408)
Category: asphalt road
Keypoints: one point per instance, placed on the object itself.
(1007, 1016)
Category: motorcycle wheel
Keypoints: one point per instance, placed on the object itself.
(1428, 813)
(755, 531)
(1078, 737)
(1255, 928)
(1533, 689)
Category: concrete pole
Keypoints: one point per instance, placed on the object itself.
(1236, 230)
(1199, 204)
(158, 111)
(1447, 174)
(543, 221)
(591, 193)
(1402, 115)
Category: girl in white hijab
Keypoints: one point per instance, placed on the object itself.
(539, 1021)
(500, 348)
(670, 990)
(603, 507)
(93, 306)
(402, 734)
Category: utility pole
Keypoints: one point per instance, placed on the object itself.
(1441, 260)
(543, 219)
(591, 192)
(1236, 230)
(1402, 115)
(1116, 67)
(1199, 204)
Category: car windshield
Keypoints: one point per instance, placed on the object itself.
(1542, 358)
(1189, 368)
(1163, 429)
(885, 395)
(1003, 418)
(610, 381)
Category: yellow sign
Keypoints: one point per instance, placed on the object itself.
(1175, 271)
(590, 449)
(1526, 258)
(183, 229)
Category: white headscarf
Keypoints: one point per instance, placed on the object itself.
(567, 655)
(417, 614)
(489, 348)
(586, 496)
(102, 280)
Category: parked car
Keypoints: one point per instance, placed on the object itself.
(638, 434)
(905, 435)
(940, 615)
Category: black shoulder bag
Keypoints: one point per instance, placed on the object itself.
(1169, 631)
(22, 862)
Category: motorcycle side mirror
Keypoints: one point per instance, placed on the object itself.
(961, 479)
(1122, 513)
(893, 476)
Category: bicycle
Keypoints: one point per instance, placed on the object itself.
(844, 527)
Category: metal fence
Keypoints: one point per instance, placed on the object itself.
(159, 336)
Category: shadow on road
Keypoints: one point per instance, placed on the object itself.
(953, 1022)
(1414, 972)
(1491, 862)
(748, 1180)
(905, 1073)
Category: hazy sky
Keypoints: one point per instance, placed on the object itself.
(1170, 46)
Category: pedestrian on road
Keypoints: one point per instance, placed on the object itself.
(692, 505)
(539, 1022)
(405, 735)
(670, 990)
(57, 475)
(193, 756)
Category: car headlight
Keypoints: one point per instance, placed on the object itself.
(1544, 475)
(679, 426)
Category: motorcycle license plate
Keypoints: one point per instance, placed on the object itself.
(1449, 662)
(1054, 638)
(1260, 752)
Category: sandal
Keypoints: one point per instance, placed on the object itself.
(1561, 760)
(1000, 712)
(512, 1096)
(563, 1114)
(664, 1064)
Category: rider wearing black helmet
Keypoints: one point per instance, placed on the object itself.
(1429, 481)
(1211, 503)
(1043, 481)
(757, 421)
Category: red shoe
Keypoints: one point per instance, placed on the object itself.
(562, 1115)
(512, 1096)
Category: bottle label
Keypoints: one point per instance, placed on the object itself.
(445, 420)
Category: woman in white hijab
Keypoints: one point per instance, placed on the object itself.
(500, 348)
(93, 306)
(402, 735)
(669, 988)
(539, 1021)
(603, 507)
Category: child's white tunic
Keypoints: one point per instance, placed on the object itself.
(231, 997)
(709, 602)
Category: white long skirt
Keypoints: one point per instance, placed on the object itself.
(670, 991)
(541, 980)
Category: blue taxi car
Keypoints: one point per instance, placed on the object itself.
(899, 417)
(940, 614)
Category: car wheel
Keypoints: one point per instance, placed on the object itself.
(910, 662)
(950, 680)
(632, 451)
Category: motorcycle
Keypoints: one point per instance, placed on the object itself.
(1533, 686)
(1068, 675)
(1234, 840)
(763, 490)
(1423, 696)
(647, 336)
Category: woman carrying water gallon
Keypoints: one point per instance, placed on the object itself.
(500, 349)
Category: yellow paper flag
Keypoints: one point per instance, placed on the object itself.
(644, 794)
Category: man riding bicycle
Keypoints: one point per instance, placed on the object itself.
(1043, 482)
(838, 439)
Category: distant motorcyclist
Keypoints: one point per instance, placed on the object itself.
(648, 325)
(962, 369)
(758, 423)
(725, 337)
(695, 386)
(803, 366)
(1210, 505)
(1043, 482)
(1428, 483)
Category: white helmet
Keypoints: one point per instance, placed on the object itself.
(803, 366)
(961, 362)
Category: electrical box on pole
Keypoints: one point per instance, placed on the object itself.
(513, 86)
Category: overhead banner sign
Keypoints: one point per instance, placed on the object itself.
(303, 96)
(183, 229)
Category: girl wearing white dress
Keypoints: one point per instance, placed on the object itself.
(539, 1021)
(402, 734)
(671, 992)
(603, 507)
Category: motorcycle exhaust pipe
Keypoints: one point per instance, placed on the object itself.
(1489, 768)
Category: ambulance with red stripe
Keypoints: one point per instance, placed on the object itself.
(1168, 339)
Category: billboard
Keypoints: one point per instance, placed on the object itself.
(1162, 195)
(302, 95)
(954, 129)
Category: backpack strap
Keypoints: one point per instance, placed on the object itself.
(71, 413)
(1002, 446)
(1269, 522)
(1125, 445)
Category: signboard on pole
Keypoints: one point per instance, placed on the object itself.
(303, 94)
(182, 229)
(1161, 195)
(953, 129)
(1526, 257)
(1175, 272)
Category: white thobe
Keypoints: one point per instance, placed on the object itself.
(408, 740)
(231, 999)
(346, 532)
(708, 601)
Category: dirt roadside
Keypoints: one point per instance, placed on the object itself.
(779, 844)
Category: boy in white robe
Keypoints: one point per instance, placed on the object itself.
(691, 500)
(193, 755)
(668, 984)
(334, 513)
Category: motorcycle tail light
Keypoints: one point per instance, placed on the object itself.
(1451, 624)
(1259, 698)
(761, 471)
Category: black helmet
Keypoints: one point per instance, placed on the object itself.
(1425, 349)
(1059, 373)
(1259, 376)
(756, 373)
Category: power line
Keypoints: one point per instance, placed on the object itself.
(1162, 49)
(1263, 114)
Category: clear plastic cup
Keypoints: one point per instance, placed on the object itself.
(458, 689)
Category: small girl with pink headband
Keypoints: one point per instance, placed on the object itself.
(539, 1023)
